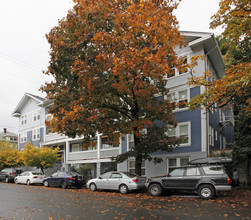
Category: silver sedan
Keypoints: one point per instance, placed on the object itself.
(121, 181)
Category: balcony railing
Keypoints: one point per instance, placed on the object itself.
(226, 119)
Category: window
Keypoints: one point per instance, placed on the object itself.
(131, 167)
(193, 171)
(75, 147)
(184, 65)
(23, 137)
(36, 115)
(106, 144)
(105, 175)
(213, 170)
(211, 135)
(171, 73)
(183, 131)
(24, 120)
(177, 172)
(179, 99)
(36, 134)
(172, 163)
(130, 141)
(116, 176)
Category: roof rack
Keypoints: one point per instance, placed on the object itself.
(210, 160)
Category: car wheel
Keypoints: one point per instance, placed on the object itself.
(7, 180)
(123, 189)
(16, 181)
(64, 185)
(28, 182)
(46, 183)
(206, 191)
(93, 187)
(155, 190)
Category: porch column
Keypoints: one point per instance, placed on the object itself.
(99, 143)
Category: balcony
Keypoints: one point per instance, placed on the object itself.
(226, 119)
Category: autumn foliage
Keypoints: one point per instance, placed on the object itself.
(234, 16)
(9, 156)
(109, 60)
(39, 157)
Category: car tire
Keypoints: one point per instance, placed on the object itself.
(155, 190)
(93, 187)
(123, 189)
(16, 181)
(46, 183)
(64, 185)
(206, 191)
(28, 182)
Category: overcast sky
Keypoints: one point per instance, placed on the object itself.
(24, 48)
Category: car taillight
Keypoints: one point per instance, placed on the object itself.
(34, 177)
(72, 178)
(12, 174)
(229, 181)
(135, 180)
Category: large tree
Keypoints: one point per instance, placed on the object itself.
(110, 60)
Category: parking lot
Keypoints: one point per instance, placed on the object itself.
(39, 202)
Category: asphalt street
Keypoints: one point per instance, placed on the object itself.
(41, 203)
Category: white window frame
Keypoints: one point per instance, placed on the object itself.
(36, 134)
(211, 135)
(177, 132)
(36, 115)
(178, 162)
(24, 119)
(176, 93)
(176, 72)
(143, 167)
(76, 145)
(23, 137)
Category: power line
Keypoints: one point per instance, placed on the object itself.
(17, 76)
(19, 62)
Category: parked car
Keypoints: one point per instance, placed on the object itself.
(30, 177)
(206, 180)
(121, 181)
(64, 179)
(8, 174)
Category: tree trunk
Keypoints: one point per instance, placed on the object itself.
(138, 157)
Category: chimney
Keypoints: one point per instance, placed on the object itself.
(5, 130)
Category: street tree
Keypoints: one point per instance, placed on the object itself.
(9, 156)
(39, 157)
(110, 60)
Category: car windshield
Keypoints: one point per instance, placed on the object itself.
(131, 175)
(73, 174)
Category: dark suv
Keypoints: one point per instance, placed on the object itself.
(206, 180)
(8, 174)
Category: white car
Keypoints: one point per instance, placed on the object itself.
(30, 177)
(121, 181)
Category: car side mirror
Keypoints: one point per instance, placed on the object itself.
(100, 178)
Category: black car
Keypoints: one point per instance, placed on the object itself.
(64, 179)
(206, 180)
(8, 174)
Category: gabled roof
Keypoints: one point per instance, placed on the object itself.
(211, 47)
(7, 134)
(40, 100)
